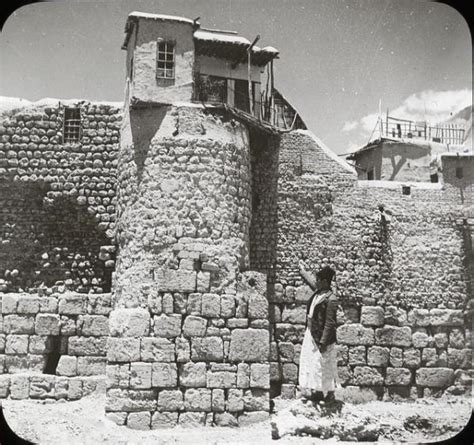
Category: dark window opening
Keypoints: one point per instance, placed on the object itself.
(212, 89)
(370, 174)
(459, 172)
(165, 60)
(56, 346)
(406, 190)
(131, 68)
(399, 130)
(72, 125)
(434, 177)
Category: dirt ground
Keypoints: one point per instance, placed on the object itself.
(294, 422)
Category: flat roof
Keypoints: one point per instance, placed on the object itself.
(210, 42)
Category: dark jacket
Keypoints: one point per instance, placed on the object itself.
(323, 322)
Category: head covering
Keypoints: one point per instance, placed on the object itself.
(326, 273)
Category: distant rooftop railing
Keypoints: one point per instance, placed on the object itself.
(406, 129)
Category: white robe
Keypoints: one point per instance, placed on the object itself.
(318, 371)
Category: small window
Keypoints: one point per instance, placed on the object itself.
(434, 177)
(370, 174)
(406, 190)
(165, 60)
(459, 173)
(72, 125)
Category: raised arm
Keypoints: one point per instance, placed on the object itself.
(307, 276)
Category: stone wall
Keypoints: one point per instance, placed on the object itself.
(52, 345)
(402, 281)
(189, 332)
(57, 217)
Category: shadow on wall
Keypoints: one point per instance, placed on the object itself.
(49, 245)
(264, 153)
(144, 122)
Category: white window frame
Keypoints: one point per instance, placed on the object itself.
(164, 49)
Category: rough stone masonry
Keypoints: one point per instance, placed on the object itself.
(202, 221)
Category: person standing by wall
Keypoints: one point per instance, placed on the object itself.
(318, 360)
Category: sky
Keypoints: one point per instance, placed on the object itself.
(341, 61)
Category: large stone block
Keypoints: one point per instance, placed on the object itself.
(460, 358)
(72, 304)
(249, 345)
(256, 400)
(140, 375)
(19, 387)
(411, 358)
(87, 345)
(289, 372)
(123, 349)
(164, 420)
(446, 317)
(192, 419)
(372, 316)
(130, 400)
(94, 325)
(226, 420)
(243, 375)
(355, 334)
(211, 305)
(9, 303)
(170, 280)
(67, 366)
(221, 379)
(164, 375)
(421, 339)
(197, 399)
(41, 387)
(396, 316)
(194, 326)
(294, 315)
(139, 421)
(193, 375)
(28, 305)
(18, 324)
(183, 350)
(207, 349)
(22, 363)
(218, 400)
(16, 344)
(235, 400)
(91, 366)
(303, 294)
(357, 355)
(367, 376)
(170, 400)
(48, 304)
(39, 344)
(434, 377)
(168, 326)
(397, 377)
(129, 323)
(118, 376)
(47, 324)
(393, 336)
(419, 317)
(157, 350)
(257, 306)
(260, 375)
(250, 418)
(378, 356)
(227, 306)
